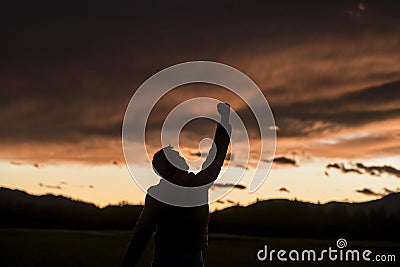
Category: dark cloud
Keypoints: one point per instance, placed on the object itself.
(389, 191)
(18, 163)
(334, 165)
(342, 168)
(360, 168)
(229, 156)
(385, 191)
(237, 186)
(49, 186)
(369, 192)
(70, 67)
(378, 170)
(284, 189)
(283, 161)
(315, 117)
(63, 184)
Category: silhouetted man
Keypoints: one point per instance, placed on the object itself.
(181, 232)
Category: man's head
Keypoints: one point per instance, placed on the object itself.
(167, 162)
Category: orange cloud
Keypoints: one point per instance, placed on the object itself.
(329, 76)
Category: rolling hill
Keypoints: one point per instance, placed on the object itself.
(378, 219)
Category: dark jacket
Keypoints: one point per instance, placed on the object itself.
(178, 228)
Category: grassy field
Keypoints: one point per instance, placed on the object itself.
(20, 248)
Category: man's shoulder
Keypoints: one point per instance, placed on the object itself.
(150, 193)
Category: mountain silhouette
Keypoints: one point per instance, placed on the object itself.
(374, 220)
(18, 197)
(20, 209)
(377, 219)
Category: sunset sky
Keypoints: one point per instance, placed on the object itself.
(330, 72)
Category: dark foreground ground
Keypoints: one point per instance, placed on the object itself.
(20, 248)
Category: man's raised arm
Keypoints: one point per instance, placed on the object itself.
(216, 156)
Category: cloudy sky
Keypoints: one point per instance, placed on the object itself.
(329, 70)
